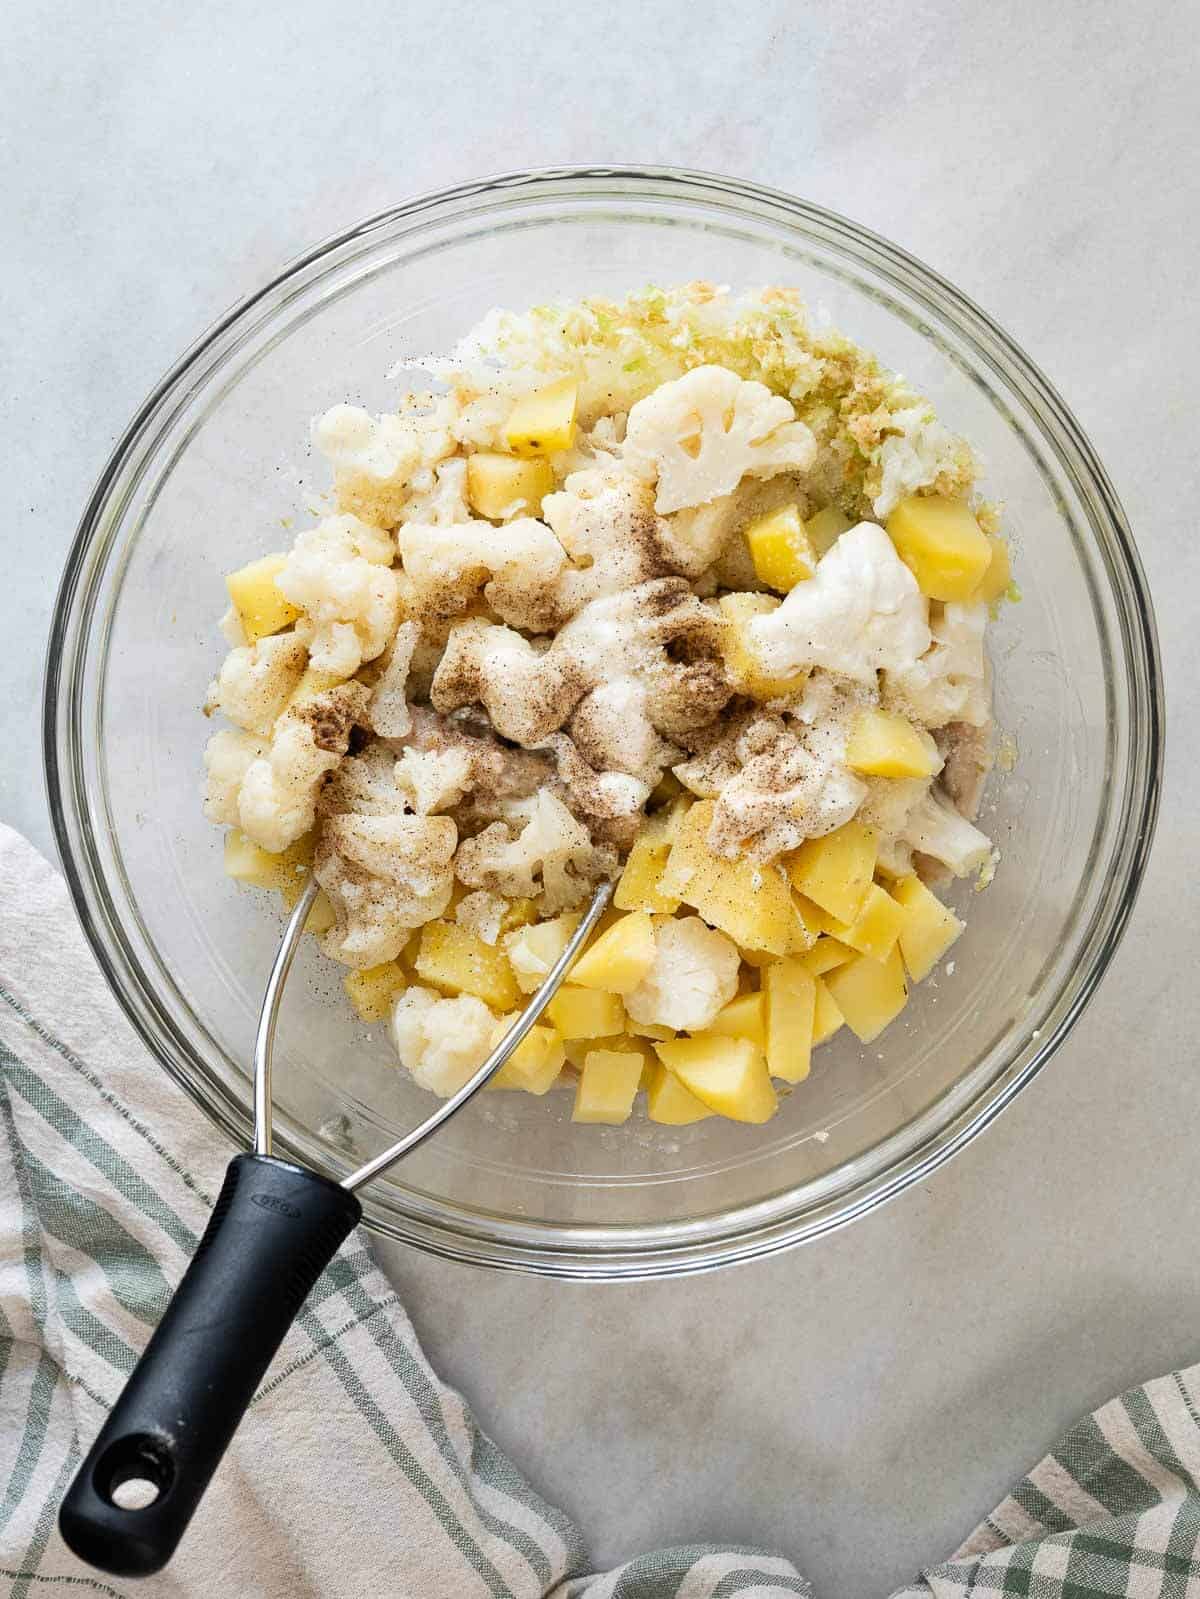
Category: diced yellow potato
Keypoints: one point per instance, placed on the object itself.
(638, 888)
(322, 916)
(585, 1012)
(729, 1075)
(669, 1103)
(744, 1017)
(453, 958)
(741, 663)
(648, 1029)
(780, 549)
(618, 960)
(310, 685)
(928, 927)
(790, 991)
(824, 528)
(886, 744)
(941, 543)
(535, 949)
(504, 485)
(543, 421)
(827, 1018)
(373, 990)
(869, 993)
(825, 954)
(518, 913)
(247, 863)
(666, 789)
(624, 1043)
(995, 581)
(836, 870)
(608, 1086)
(745, 899)
(260, 606)
(535, 1064)
(875, 929)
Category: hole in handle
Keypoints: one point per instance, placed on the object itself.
(134, 1473)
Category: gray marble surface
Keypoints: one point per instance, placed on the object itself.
(858, 1403)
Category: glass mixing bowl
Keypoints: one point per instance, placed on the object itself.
(214, 469)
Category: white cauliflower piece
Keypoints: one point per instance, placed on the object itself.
(859, 612)
(701, 434)
(612, 730)
(779, 799)
(256, 681)
(387, 712)
(231, 629)
(605, 521)
(481, 913)
(527, 693)
(375, 458)
(227, 758)
(448, 565)
(950, 682)
(442, 1042)
(278, 797)
(532, 951)
(695, 973)
(433, 780)
(339, 574)
(384, 875)
(935, 828)
(439, 494)
(551, 856)
(916, 456)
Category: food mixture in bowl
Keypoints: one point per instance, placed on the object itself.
(678, 591)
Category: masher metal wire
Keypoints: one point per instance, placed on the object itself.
(264, 1041)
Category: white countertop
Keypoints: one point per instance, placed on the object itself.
(858, 1403)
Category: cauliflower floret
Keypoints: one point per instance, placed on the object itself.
(612, 730)
(448, 565)
(442, 1042)
(364, 785)
(384, 875)
(388, 712)
(481, 913)
(605, 520)
(256, 681)
(339, 574)
(594, 791)
(433, 780)
(915, 457)
(700, 435)
(551, 856)
(695, 973)
(277, 800)
(779, 799)
(860, 611)
(527, 693)
(439, 494)
(374, 459)
(231, 629)
(949, 683)
(227, 757)
(935, 828)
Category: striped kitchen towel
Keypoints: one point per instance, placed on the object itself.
(357, 1474)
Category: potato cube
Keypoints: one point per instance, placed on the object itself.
(608, 1086)
(543, 421)
(885, 744)
(869, 994)
(619, 958)
(780, 549)
(824, 528)
(740, 660)
(928, 927)
(454, 959)
(247, 863)
(729, 1075)
(310, 685)
(995, 581)
(651, 1030)
(670, 1103)
(666, 789)
(533, 950)
(500, 486)
(585, 1012)
(260, 606)
(827, 1018)
(372, 990)
(518, 913)
(638, 889)
(825, 954)
(836, 870)
(875, 929)
(941, 543)
(790, 991)
(535, 1064)
(322, 916)
(745, 899)
(744, 1017)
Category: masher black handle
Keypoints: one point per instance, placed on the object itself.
(273, 1231)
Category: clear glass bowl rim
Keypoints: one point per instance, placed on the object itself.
(606, 1253)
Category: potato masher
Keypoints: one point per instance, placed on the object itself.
(273, 1230)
